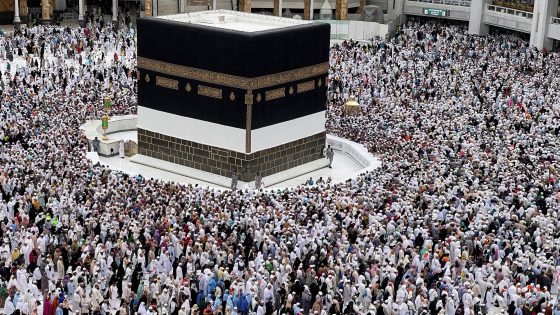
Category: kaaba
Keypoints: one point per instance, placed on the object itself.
(224, 91)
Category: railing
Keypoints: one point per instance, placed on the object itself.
(495, 8)
(462, 3)
(515, 6)
(555, 20)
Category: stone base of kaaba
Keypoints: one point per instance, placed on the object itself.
(224, 162)
(224, 181)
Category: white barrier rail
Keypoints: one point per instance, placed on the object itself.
(356, 151)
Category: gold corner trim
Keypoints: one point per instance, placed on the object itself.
(233, 81)
(209, 91)
(274, 94)
(306, 86)
(248, 120)
(249, 98)
(167, 83)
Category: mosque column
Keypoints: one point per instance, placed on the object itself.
(81, 21)
(476, 21)
(148, 8)
(396, 11)
(23, 10)
(342, 9)
(362, 8)
(276, 8)
(115, 10)
(45, 12)
(308, 9)
(17, 20)
(543, 11)
(245, 6)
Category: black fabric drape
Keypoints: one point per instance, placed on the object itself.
(236, 53)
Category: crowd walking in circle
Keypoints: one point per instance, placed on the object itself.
(461, 218)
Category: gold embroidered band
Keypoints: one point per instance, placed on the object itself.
(167, 83)
(248, 120)
(232, 80)
(305, 86)
(209, 91)
(274, 94)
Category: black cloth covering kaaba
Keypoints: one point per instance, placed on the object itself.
(242, 54)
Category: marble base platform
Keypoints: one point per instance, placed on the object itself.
(223, 181)
(350, 160)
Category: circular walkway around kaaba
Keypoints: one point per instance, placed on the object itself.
(350, 160)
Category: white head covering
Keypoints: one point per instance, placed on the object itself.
(142, 309)
(9, 307)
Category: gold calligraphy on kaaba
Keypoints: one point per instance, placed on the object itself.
(274, 94)
(209, 91)
(167, 83)
(305, 86)
(234, 81)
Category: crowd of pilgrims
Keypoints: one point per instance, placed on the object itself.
(461, 218)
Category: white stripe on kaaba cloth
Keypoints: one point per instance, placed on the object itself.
(229, 137)
(195, 130)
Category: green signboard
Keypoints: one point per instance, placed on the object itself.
(435, 12)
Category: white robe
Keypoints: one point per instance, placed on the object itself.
(114, 302)
(9, 308)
